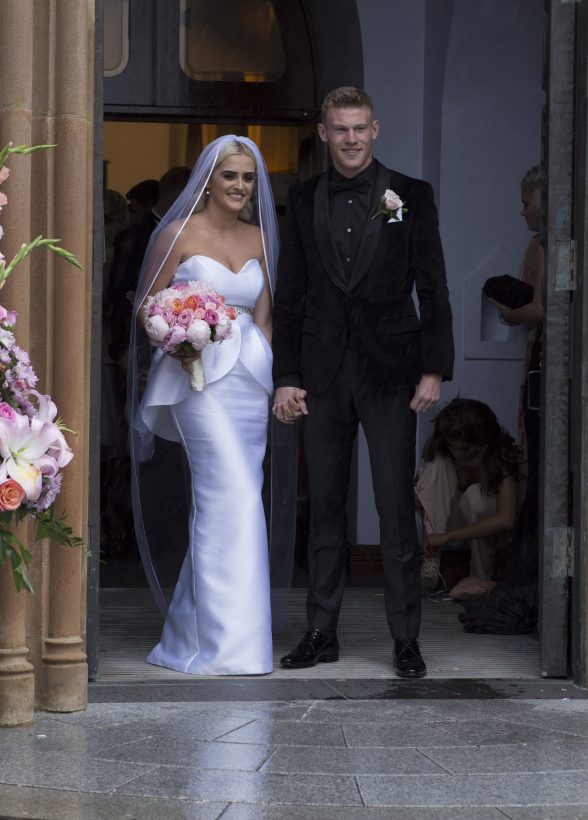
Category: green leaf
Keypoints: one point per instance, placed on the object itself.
(56, 529)
(21, 149)
(69, 257)
(20, 579)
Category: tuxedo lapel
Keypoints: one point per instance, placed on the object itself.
(373, 228)
(323, 236)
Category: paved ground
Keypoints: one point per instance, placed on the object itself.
(425, 751)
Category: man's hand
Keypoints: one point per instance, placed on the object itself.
(427, 393)
(289, 404)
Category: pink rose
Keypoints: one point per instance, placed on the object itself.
(11, 318)
(3, 200)
(7, 412)
(211, 317)
(185, 318)
(198, 334)
(210, 305)
(199, 313)
(4, 174)
(11, 495)
(157, 328)
(391, 200)
(176, 337)
(3, 313)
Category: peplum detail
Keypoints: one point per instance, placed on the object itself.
(169, 384)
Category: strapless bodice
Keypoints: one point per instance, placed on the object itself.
(242, 288)
(168, 383)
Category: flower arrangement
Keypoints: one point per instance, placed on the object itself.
(184, 318)
(392, 206)
(33, 449)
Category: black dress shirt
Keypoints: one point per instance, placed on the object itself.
(350, 210)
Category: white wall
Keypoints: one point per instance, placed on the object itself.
(457, 89)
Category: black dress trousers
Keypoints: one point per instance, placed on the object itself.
(330, 430)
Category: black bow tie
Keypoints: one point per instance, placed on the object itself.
(352, 184)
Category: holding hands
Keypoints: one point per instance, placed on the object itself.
(289, 404)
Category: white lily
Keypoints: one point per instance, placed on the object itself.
(29, 448)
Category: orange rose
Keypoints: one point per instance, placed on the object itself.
(177, 306)
(231, 313)
(11, 495)
(191, 302)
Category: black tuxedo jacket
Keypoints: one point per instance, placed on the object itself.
(317, 312)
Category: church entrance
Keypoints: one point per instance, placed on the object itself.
(167, 93)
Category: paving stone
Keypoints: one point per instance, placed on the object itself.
(287, 732)
(241, 811)
(49, 804)
(481, 732)
(246, 787)
(471, 790)
(510, 758)
(398, 733)
(77, 772)
(577, 812)
(193, 754)
(329, 760)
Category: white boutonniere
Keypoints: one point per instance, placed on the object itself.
(392, 206)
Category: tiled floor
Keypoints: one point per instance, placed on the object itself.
(131, 626)
(385, 759)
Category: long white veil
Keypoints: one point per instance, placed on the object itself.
(283, 472)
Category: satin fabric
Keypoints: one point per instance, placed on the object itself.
(219, 619)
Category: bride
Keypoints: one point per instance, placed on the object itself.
(222, 231)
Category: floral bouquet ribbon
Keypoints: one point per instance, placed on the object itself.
(186, 317)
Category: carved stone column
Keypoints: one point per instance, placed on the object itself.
(46, 64)
(17, 683)
(63, 676)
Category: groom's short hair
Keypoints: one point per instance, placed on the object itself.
(346, 96)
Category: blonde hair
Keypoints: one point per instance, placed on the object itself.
(535, 182)
(346, 96)
(232, 148)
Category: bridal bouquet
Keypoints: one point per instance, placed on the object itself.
(33, 449)
(184, 318)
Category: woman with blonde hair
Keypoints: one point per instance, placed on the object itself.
(220, 231)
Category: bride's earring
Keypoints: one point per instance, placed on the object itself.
(207, 191)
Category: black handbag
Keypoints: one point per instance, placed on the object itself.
(508, 291)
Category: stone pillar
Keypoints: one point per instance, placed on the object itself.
(46, 64)
(63, 677)
(17, 681)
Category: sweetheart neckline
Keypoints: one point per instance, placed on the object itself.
(216, 261)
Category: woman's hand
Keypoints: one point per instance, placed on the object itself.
(435, 540)
(503, 313)
(186, 359)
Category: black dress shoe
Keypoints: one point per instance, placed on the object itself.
(408, 661)
(315, 647)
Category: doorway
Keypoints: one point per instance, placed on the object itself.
(151, 100)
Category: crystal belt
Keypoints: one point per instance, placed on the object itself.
(240, 310)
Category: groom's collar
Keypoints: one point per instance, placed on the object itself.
(367, 175)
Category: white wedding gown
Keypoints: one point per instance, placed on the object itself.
(219, 619)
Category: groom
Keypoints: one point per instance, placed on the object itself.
(349, 348)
